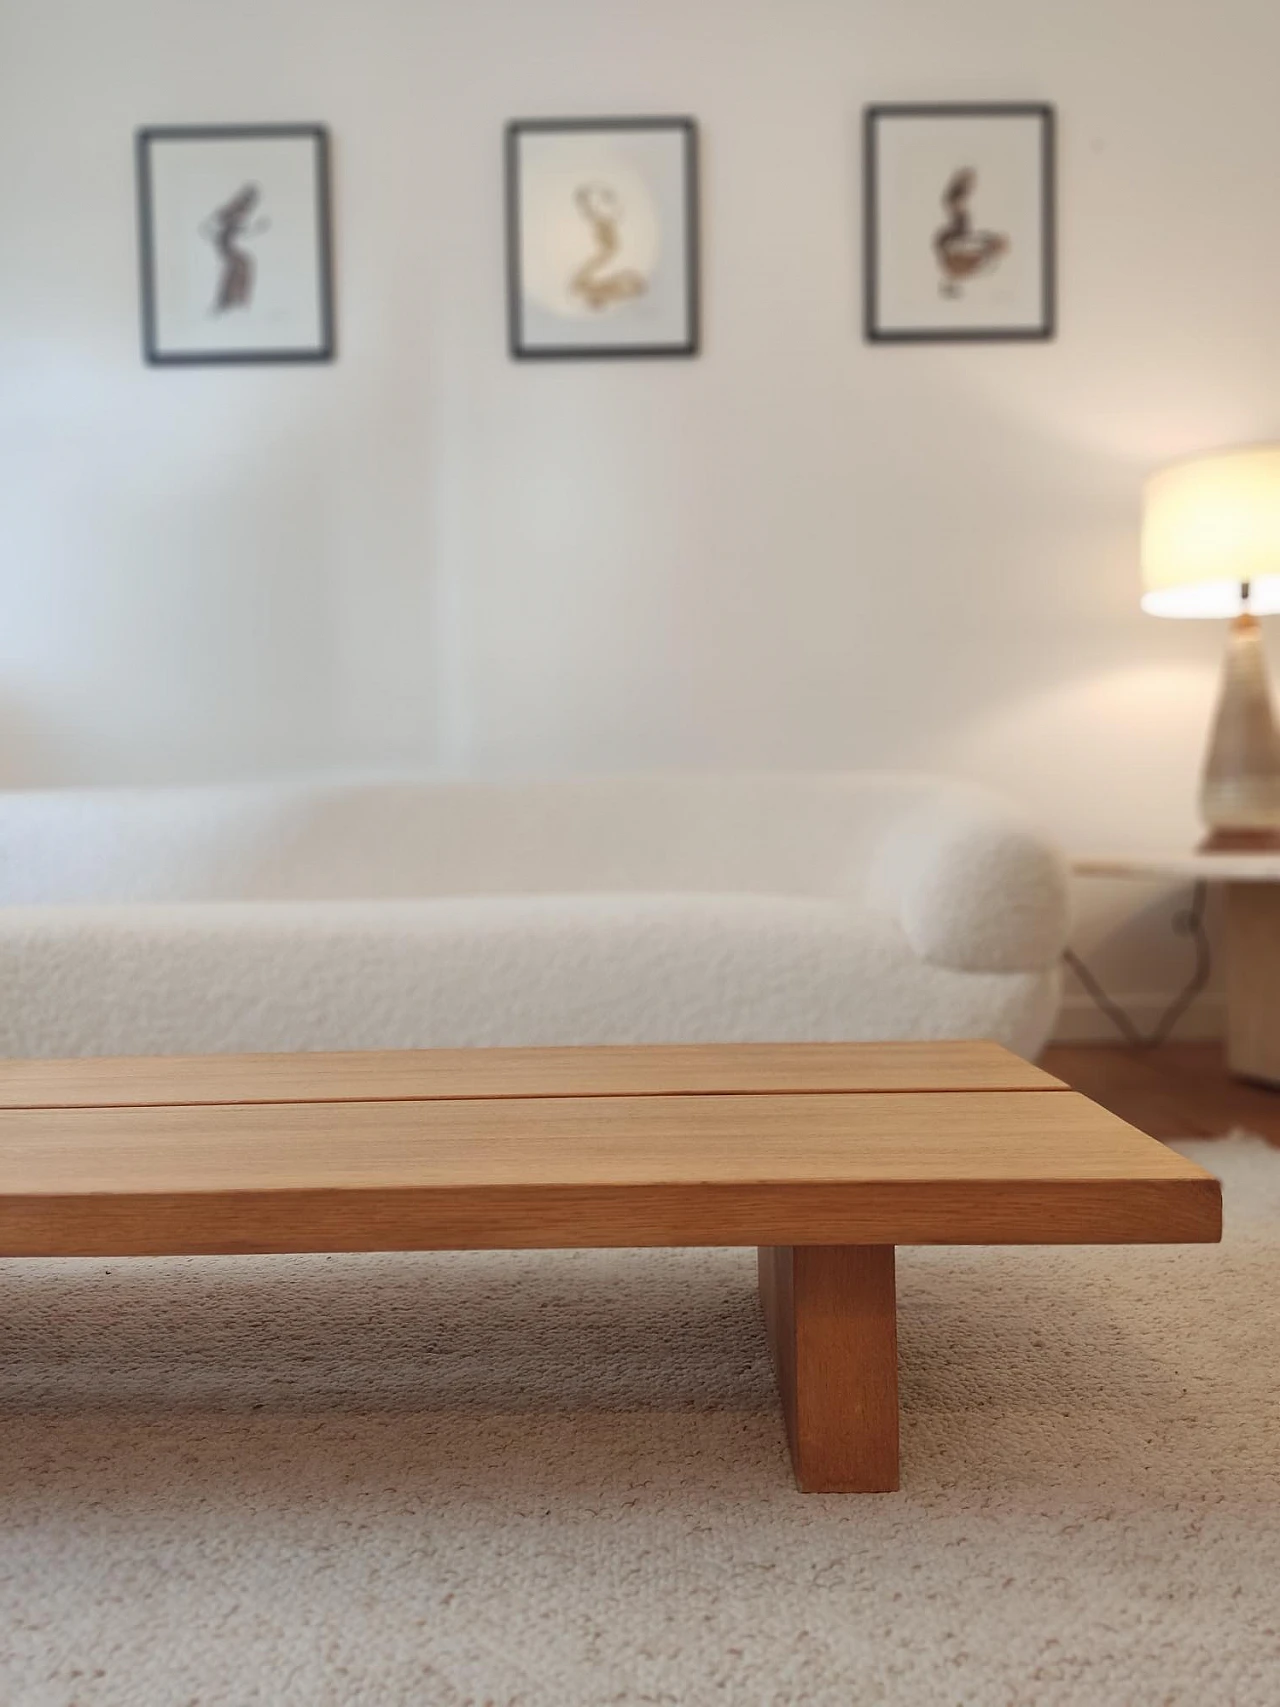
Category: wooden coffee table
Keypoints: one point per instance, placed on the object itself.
(824, 1156)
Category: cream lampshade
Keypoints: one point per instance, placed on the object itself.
(1211, 548)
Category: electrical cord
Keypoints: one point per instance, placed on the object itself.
(1188, 922)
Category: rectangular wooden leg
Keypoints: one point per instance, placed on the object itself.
(1253, 981)
(832, 1320)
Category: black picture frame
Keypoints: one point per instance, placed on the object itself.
(152, 136)
(690, 345)
(1047, 326)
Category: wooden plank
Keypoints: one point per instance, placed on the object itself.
(398, 1075)
(973, 1168)
(831, 1317)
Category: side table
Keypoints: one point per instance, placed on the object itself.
(1252, 882)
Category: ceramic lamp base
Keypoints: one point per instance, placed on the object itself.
(1240, 790)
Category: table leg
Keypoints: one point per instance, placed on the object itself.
(1253, 981)
(831, 1316)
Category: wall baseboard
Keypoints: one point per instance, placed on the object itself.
(1082, 1021)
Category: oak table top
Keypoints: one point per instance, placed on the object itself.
(811, 1144)
(826, 1157)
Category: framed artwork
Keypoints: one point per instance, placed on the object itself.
(958, 209)
(234, 232)
(602, 237)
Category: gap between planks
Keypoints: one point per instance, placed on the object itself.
(533, 1096)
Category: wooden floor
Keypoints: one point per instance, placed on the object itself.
(1180, 1091)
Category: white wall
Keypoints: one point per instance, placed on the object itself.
(795, 551)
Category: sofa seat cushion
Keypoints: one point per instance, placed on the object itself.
(474, 971)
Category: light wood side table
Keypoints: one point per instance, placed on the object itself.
(1252, 882)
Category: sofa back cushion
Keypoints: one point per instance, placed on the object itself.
(401, 838)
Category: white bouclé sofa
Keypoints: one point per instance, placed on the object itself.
(409, 913)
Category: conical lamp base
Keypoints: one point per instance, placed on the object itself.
(1240, 790)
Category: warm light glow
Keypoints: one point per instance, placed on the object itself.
(1211, 525)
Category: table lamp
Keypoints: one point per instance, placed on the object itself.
(1211, 548)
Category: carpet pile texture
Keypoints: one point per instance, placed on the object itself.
(559, 1480)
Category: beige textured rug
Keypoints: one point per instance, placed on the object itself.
(559, 1480)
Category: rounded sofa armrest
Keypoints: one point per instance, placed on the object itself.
(973, 885)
